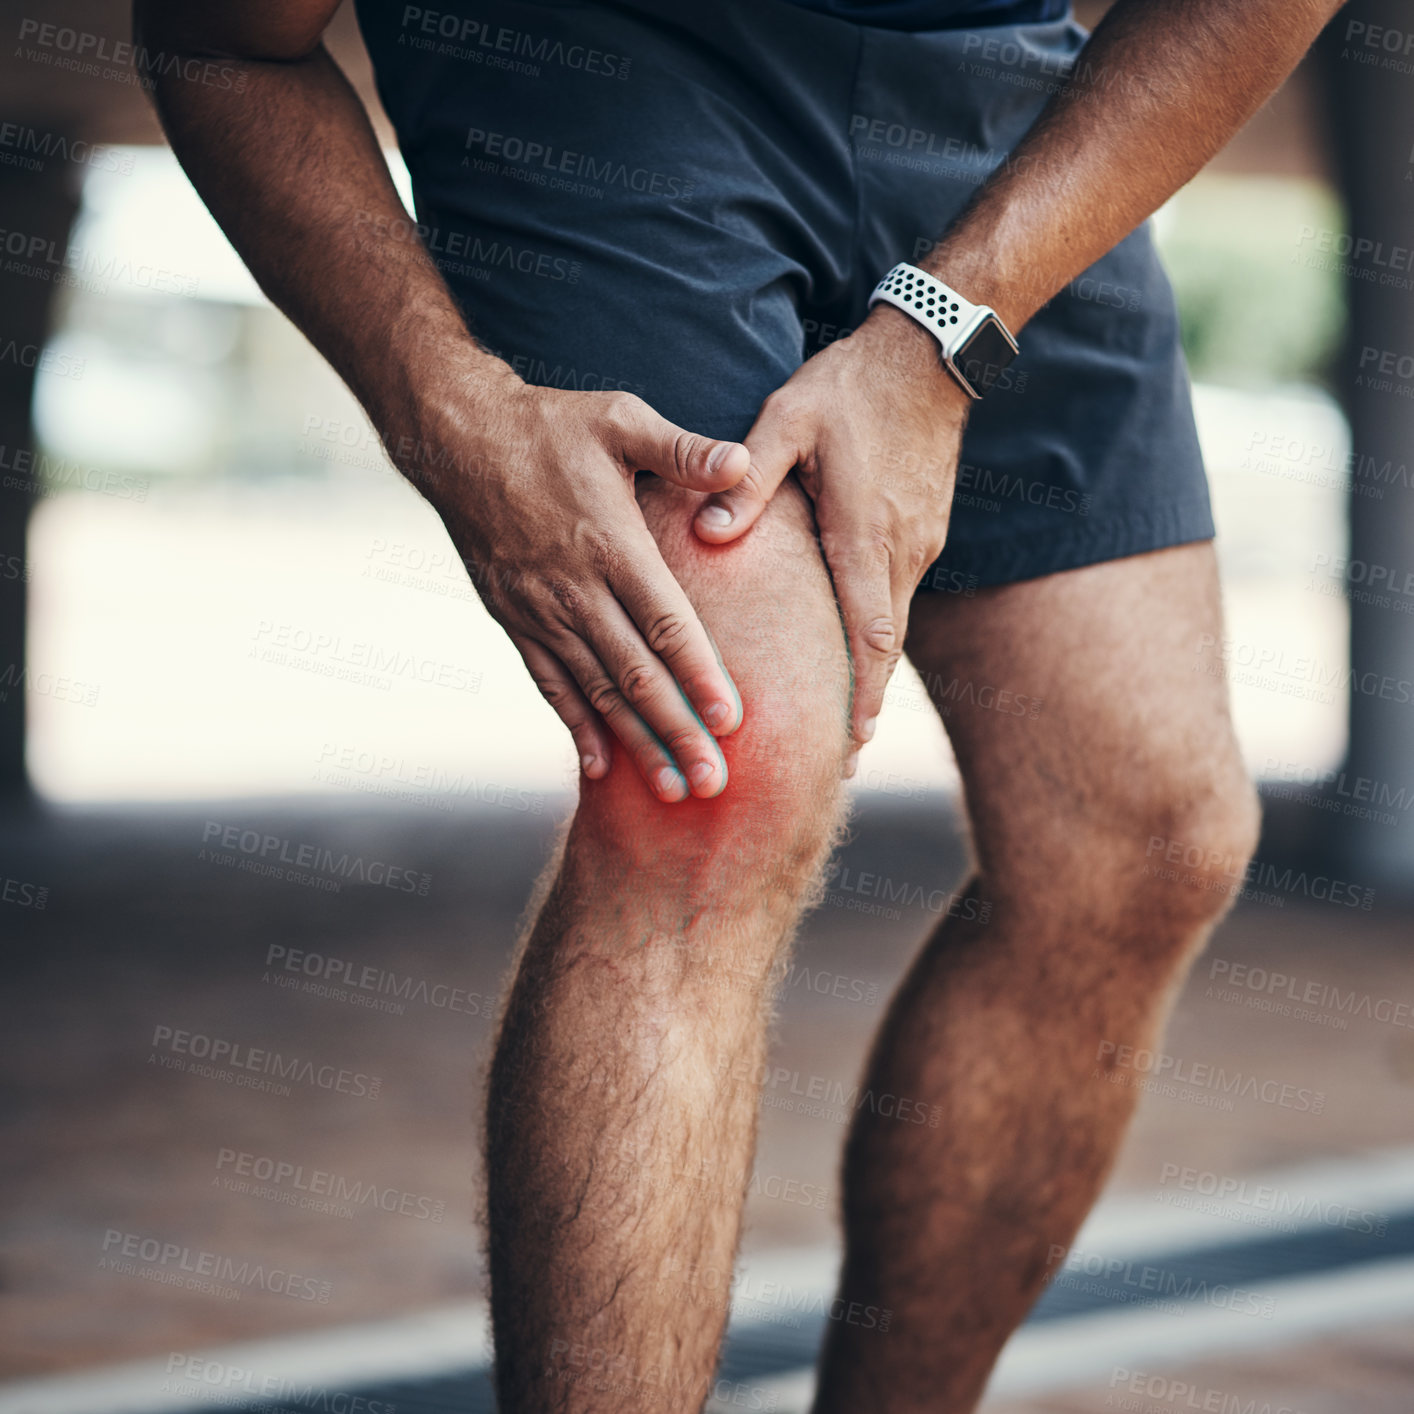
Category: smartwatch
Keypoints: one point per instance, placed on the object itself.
(974, 345)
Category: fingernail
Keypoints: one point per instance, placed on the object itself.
(868, 729)
(717, 517)
(716, 714)
(851, 766)
(670, 783)
(701, 773)
(588, 762)
(719, 454)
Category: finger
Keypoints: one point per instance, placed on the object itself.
(645, 709)
(860, 571)
(560, 690)
(670, 626)
(774, 448)
(647, 442)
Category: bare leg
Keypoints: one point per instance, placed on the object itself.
(624, 1091)
(1003, 1025)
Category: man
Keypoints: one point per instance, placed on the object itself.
(714, 572)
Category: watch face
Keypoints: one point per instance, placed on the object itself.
(985, 356)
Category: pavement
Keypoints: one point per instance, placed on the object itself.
(139, 1114)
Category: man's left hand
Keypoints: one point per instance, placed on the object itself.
(871, 425)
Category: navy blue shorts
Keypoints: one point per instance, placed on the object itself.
(687, 198)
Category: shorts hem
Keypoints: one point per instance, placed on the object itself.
(1002, 559)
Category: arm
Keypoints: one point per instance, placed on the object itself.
(1158, 89)
(534, 485)
(1161, 86)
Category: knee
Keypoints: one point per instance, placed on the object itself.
(1195, 847)
(1146, 869)
(768, 604)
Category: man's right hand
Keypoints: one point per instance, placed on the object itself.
(541, 508)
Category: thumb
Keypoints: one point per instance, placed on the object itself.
(648, 442)
(729, 514)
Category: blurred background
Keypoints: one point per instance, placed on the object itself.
(224, 618)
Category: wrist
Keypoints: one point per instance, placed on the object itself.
(909, 352)
(432, 420)
(974, 270)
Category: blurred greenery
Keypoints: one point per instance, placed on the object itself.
(1259, 304)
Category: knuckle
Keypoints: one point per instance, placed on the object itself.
(917, 558)
(622, 410)
(685, 446)
(777, 402)
(679, 741)
(556, 692)
(668, 634)
(567, 598)
(878, 634)
(637, 683)
(603, 697)
(748, 489)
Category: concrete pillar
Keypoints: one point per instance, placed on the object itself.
(1367, 61)
(40, 206)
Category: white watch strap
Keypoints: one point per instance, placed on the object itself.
(952, 320)
(937, 306)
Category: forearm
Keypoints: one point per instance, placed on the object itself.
(291, 170)
(1161, 86)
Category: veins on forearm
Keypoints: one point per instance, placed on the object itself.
(1159, 88)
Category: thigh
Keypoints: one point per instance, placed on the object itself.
(768, 603)
(1082, 707)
